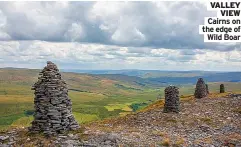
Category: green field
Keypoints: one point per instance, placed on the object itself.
(94, 97)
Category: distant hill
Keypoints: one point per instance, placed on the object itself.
(158, 78)
(212, 77)
(132, 78)
(98, 96)
(152, 73)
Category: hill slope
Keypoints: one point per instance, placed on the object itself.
(209, 121)
(94, 97)
(212, 121)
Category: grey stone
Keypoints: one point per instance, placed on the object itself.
(171, 99)
(53, 108)
(201, 90)
(3, 138)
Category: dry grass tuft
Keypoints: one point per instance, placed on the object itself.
(158, 133)
(238, 110)
(166, 142)
(179, 142)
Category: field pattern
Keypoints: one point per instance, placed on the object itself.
(94, 97)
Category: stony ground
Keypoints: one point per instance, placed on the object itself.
(207, 122)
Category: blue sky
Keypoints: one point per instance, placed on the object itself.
(111, 35)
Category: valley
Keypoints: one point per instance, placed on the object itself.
(100, 96)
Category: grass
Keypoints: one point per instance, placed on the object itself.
(82, 97)
(113, 107)
(158, 133)
(206, 120)
(83, 118)
(238, 110)
(179, 142)
(23, 121)
(166, 142)
(93, 97)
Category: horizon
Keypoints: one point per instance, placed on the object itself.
(72, 70)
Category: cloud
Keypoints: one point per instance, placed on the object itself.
(132, 24)
(74, 33)
(111, 35)
(73, 55)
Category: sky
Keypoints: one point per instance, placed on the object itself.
(111, 35)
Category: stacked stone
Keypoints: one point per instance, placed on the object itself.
(201, 89)
(222, 89)
(171, 99)
(53, 108)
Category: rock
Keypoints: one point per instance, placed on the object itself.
(3, 138)
(171, 99)
(53, 107)
(11, 143)
(204, 128)
(113, 137)
(201, 89)
(70, 135)
(11, 139)
(70, 143)
(108, 139)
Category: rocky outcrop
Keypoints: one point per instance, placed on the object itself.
(201, 89)
(217, 119)
(171, 99)
(53, 108)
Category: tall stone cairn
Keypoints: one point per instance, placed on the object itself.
(222, 89)
(201, 89)
(53, 108)
(171, 99)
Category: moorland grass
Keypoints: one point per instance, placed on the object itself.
(93, 97)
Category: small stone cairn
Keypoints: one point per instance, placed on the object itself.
(171, 99)
(53, 108)
(201, 89)
(222, 89)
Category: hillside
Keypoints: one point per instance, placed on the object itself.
(211, 121)
(146, 73)
(175, 76)
(94, 97)
(202, 122)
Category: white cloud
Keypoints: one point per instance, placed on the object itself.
(150, 24)
(33, 54)
(74, 33)
(144, 35)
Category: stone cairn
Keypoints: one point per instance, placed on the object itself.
(207, 89)
(201, 89)
(171, 99)
(222, 89)
(53, 108)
